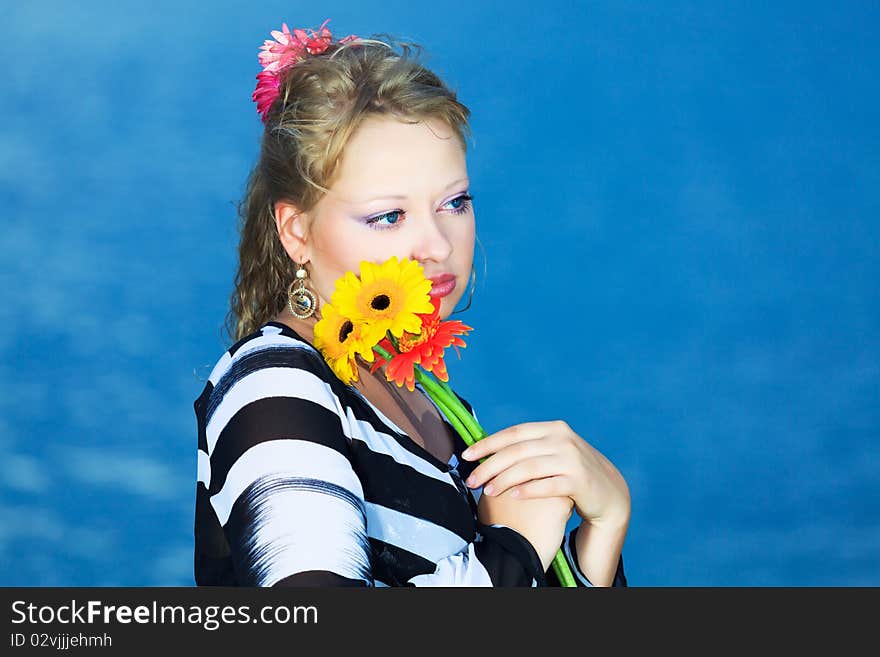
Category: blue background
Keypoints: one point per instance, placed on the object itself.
(677, 204)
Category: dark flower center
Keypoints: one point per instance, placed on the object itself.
(345, 330)
(380, 302)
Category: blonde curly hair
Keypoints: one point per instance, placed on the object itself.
(322, 101)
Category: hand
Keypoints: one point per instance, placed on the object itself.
(548, 459)
(541, 521)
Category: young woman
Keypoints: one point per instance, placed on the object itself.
(306, 481)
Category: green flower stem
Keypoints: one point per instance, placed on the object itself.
(454, 420)
(459, 417)
(470, 431)
(450, 401)
(562, 570)
(440, 390)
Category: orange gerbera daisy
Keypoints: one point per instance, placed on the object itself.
(425, 349)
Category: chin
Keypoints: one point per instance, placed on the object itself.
(448, 303)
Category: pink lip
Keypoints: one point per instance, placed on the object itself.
(442, 285)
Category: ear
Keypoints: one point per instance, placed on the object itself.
(292, 225)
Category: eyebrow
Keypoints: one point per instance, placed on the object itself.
(403, 198)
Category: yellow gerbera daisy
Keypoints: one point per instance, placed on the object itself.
(339, 340)
(388, 296)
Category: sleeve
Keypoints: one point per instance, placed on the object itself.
(499, 556)
(282, 484)
(580, 579)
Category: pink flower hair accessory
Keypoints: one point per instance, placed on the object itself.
(284, 52)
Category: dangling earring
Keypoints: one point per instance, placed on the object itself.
(301, 300)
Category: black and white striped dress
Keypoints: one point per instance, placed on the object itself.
(302, 481)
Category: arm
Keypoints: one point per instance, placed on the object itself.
(292, 507)
(573, 549)
(514, 544)
(518, 459)
(284, 492)
(598, 550)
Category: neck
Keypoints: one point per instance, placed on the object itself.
(303, 327)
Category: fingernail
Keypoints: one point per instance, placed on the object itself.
(488, 489)
(466, 454)
(471, 481)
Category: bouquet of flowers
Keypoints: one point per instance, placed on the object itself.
(387, 317)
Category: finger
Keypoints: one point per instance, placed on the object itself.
(546, 487)
(496, 441)
(522, 472)
(502, 460)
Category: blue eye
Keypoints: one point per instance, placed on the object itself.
(465, 203)
(373, 222)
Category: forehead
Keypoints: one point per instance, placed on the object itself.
(386, 156)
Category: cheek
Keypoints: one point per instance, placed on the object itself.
(332, 256)
(339, 245)
(464, 241)
(343, 249)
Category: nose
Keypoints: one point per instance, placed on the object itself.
(431, 242)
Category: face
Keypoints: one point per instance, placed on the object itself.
(401, 189)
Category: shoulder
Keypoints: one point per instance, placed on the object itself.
(271, 362)
(272, 345)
